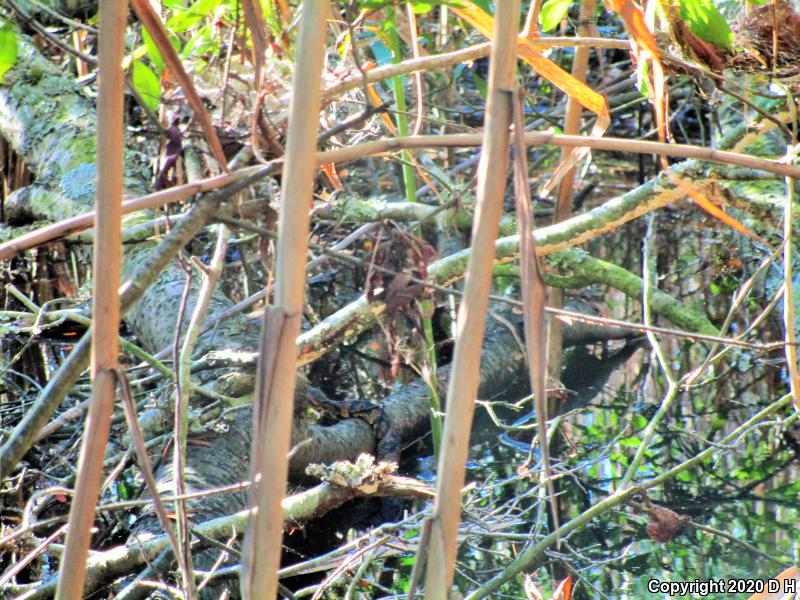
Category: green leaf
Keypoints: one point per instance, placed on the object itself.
(123, 491)
(200, 44)
(485, 5)
(147, 84)
(481, 85)
(375, 4)
(8, 47)
(197, 13)
(423, 6)
(791, 490)
(155, 54)
(271, 16)
(620, 458)
(153, 51)
(631, 442)
(552, 13)
(706, 22)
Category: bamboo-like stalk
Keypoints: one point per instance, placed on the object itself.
(275, 379)
(106, 313)
(463, 383)
(572, 126)
(534, 293)
(464, 140)
(254, 20)
(555, 296)
(789, 319)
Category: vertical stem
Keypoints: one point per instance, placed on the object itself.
(649, 433)
(410, 187)
(572, 126)
(275, 379)
(463, 384)
(789, 317)
(649, 284)
(430, 357)
(449, 94)
(209, 278)
(402, 118)
(106, 314)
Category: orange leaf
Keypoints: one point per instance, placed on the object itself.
(582, 93)
(634, 21)
(330, 173)
(647, 49)
(587, 97)
(377, 101)
(715, 211)
(564, 589)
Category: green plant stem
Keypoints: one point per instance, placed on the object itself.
(401, 118)
(410, 187)
(649, 432)
(430, 379)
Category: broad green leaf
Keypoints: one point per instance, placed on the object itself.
(706, 22)
(147, 84)
(154, 53)
(198, 12)
(374, 4)
(480, 85)
(631, 442)
(196, 44)
(271, 16)
(8, 47)
(552, 13)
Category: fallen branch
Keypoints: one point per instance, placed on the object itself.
(104, 567)
(351, 320)
(37, 416)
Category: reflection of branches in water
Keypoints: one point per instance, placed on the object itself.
(584, 377)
